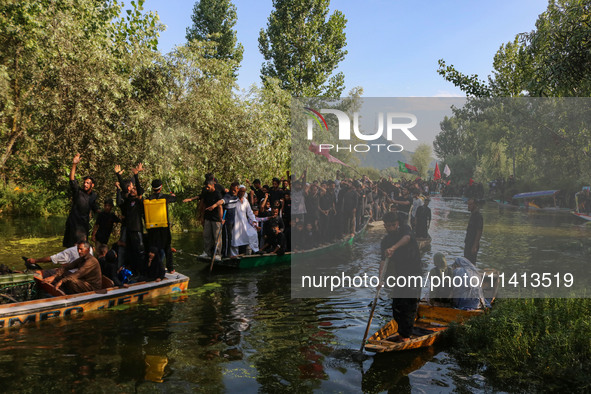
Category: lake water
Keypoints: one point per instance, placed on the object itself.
(242, 332)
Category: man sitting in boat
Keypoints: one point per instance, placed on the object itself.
(87, 277)
(64, 257)
(441, 291)
(276, 242)
(465, 296)
(401, 248)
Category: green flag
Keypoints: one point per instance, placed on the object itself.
(402, 167)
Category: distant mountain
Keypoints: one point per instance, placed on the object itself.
(384, 159)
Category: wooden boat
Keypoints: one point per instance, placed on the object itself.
(60, 305)
(576, 212)
(581, 215)
(529, 201)
(431, 322)
(261, 260)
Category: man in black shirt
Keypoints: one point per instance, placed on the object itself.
(84, 200)
(212, 201)
(230, 203)
(350, 202)
(473, 232)
(402, 251)
(132, 209)
(423, 220)
(104, 224)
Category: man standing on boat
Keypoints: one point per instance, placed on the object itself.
(84, 199)
(161, 237)
(473, 232)
(401, 251)
(243, 233)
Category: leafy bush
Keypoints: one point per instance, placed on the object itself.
(532, 343)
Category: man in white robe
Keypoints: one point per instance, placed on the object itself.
(244, 232)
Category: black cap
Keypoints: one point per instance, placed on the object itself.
(109, 201)
(156, 184)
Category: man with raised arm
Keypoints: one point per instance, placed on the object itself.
(84, 200)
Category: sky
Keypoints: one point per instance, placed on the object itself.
(393, 46)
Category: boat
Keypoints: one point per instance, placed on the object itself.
(261, 260)
(528, 200)
(577, 212)
(59, 305)
(431, 323)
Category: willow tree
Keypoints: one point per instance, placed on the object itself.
(68, 83)
(303, 46)
(214, 21)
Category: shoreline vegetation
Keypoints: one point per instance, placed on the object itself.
(530, 344)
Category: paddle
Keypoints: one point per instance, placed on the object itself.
(217, 239)
(383, 267)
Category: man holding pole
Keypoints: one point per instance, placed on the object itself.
(402, 251)
(212, 201)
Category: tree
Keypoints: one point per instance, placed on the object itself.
(552, 60)
(303, 49)
(70, 67)
(214, 20)
(421, 159)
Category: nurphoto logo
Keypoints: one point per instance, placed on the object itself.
(392, 120)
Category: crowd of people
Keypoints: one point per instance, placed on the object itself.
(293, 213)
(296, 214)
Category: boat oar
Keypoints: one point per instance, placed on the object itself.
(217, 239)
(383, 267)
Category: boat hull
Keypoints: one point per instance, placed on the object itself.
(34, 311)
(582, 216)
(258, 260)
(431, 320)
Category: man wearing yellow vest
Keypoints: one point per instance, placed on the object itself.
(160, 237)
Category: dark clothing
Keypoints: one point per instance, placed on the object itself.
(105, 222)
(160, 237)
(312, 207)
(475, 225)
(154, 269)
(404, 311)
(277, 240)
(275, 195)
(230, 203)
(350, 201)
(405, 207)
(423, 219)
(259, 193)
(209, 199)
(88, 277)
(406, 261)
(132, 208)
(109, 266)
(78, 222)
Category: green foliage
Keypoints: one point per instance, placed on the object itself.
(83, 76)
(421, 159)
(546, 143)
(552, 60)
(537, 344)
(302, 48)
(214, 20)
(31, 200)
